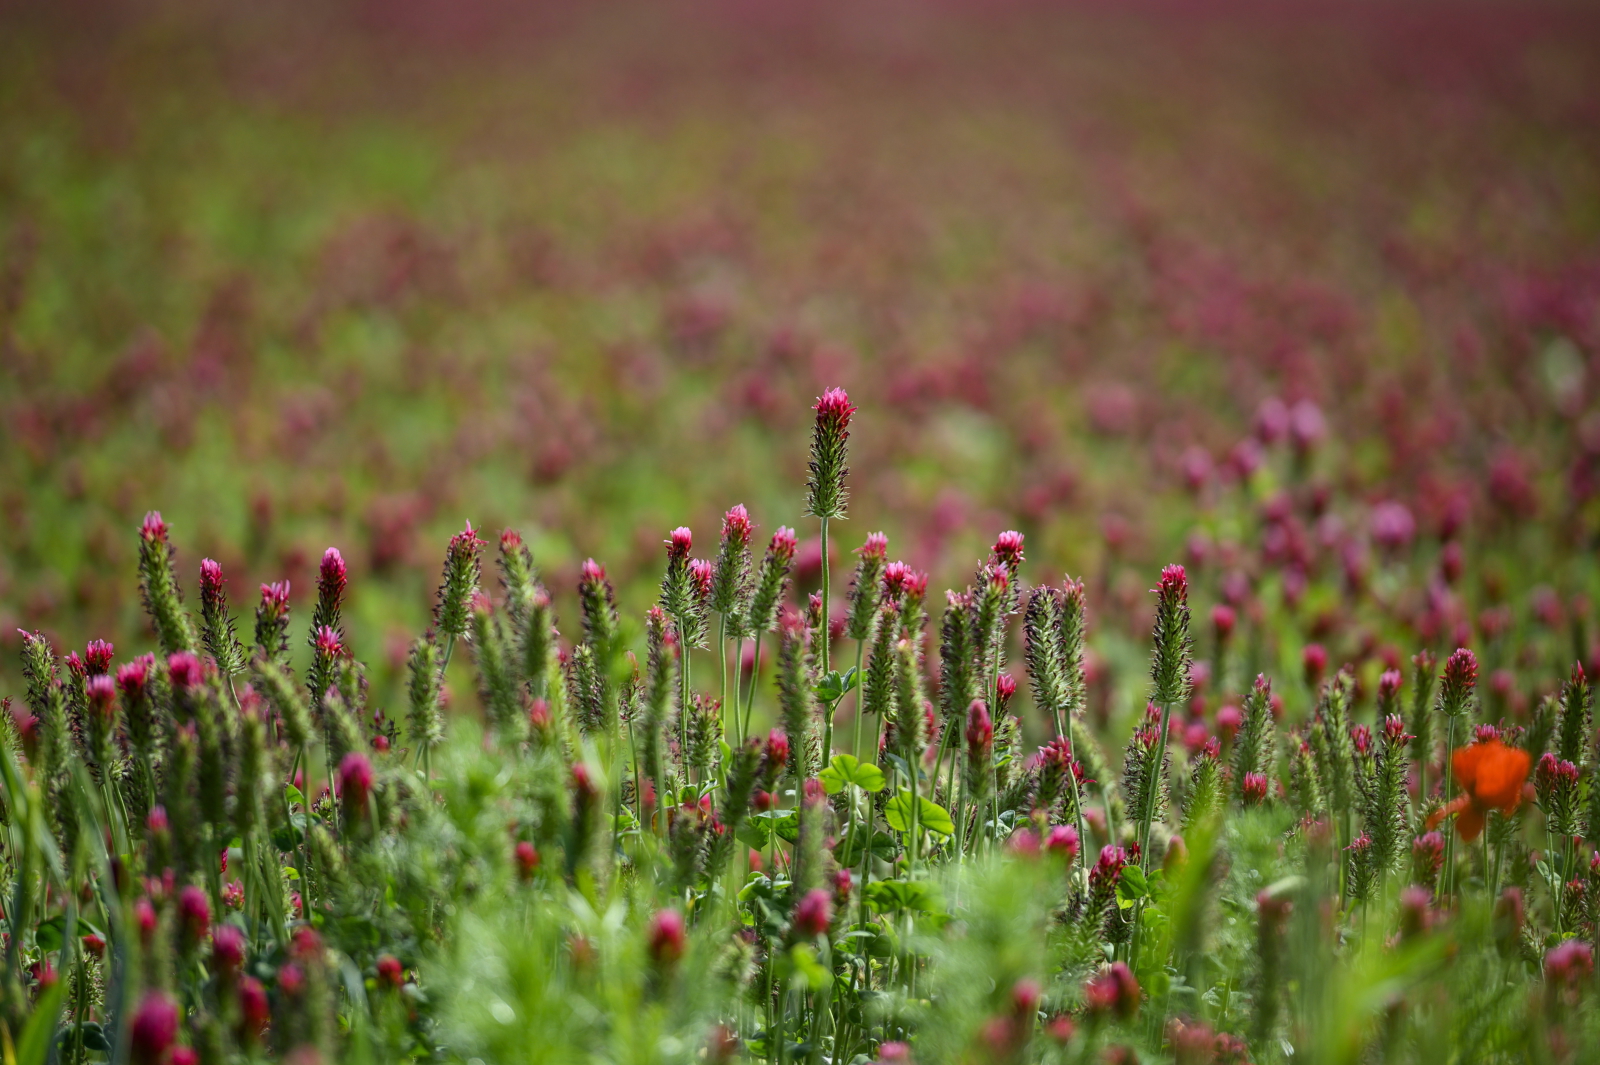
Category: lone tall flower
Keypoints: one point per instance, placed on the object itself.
(828, 496)
(462, 571)
(216, 625)
(162, 600)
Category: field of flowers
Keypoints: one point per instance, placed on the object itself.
(1235, 370)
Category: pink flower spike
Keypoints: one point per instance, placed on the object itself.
(875, 547)
(184, 668)
(833, 408)
(154, 530)
(680, 543)
(736, 524)
(97, 657)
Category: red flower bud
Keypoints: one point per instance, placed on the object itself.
(254, 1011)
(391, 973)
(194, 914)
(1223, 619)
(527, 860)
(665, 938)
(355, 783)
(227, 949)
(97, 657)
(155, 1028)
(101, 692)
(154, 530)
(1315, 661)
(1008, 549)
(1113, 990)
(814, 913)
(184, 668)
(1063, 841)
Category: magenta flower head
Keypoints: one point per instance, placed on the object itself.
(527, 858)
(154, 530)
(1229, 720)
(1008, 550)
(701, 574)
(132, 678)
(1005, 686)
(272, 622)
(184, 669)
(227, 949)
(391, 974)
(211, 579)
(736, 525)
(980, 729)
(1392, 526)
(1272, 420)
(328, 642)
(1254, 789)
(216, 626)
(895, 576)
(1460, 677)
(1427, 857)
(355, 783)
(100, 692)
(680, 543)
(731, 586)
(155, 1028)
(97, 657)
(254, 1010)
(1109, 867)
(772, 580)
(1113, 990)
(1169, 667)
(1314, 659)
(827, 498)
(813, 913)
(1307, 426)
(1416, 911)
(1063, 841)
(194, 915)
(1223, 620)
(666, 938)
(1569, 964)
(462, 571)
(332, 578)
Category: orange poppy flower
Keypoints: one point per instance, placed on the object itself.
(1490, 776)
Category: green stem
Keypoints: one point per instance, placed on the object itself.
(855, 743)
(824, 627)
(1446, 882)
(722, 661)
(750, 702)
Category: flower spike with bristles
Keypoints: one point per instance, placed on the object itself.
(731, 579)
(866, 588)
(272, 623)
(828, 496)
(462, 572)
(216, 624)
(772, 580)
(162, 599)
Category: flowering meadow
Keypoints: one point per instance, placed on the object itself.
(999, 532)
(211, 858)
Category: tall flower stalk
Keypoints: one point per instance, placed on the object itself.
(828, 496)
